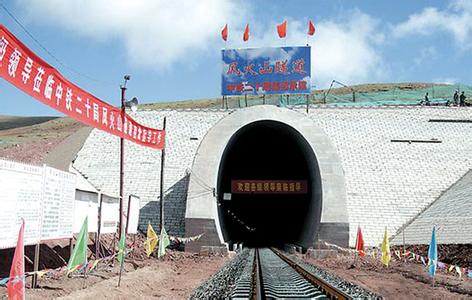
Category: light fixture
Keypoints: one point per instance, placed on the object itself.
(133, 104)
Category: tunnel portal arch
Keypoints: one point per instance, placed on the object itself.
(269, 187)
(326, 216)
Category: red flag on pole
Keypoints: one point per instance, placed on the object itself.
(16, 283)
(246, 33)
(224, 33)
(360, 242)
(311, 28)
(282, 29)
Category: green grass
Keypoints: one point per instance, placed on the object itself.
(185, 104)
(9, 122)
(316, 96)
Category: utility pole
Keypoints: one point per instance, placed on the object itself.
(163, 155)
(122, 152)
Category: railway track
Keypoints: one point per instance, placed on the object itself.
(271, 274)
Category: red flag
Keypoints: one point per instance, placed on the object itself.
(360, 242)
(16, 283)
(224, 33)
(246, 33)
(311, 28)
(282, 29)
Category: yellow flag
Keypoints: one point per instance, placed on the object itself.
(151, 241)
(385, 249)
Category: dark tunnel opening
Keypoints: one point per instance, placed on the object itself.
(269, 187)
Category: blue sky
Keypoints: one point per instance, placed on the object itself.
(172, 48)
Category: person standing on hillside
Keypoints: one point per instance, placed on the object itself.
(462, 99)
(456, 98)
(426, 100)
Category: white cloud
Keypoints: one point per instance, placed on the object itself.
(348, 52)
(456, 20)
(346, 49)
(447, 80)
(156, 33)
(427, 54)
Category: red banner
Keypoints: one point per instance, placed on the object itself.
(25, 70)
(269, 186)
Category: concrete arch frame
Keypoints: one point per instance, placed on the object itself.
(201, 214)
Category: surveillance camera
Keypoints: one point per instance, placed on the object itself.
(127, 77)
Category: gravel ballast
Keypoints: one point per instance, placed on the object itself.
(221, 284)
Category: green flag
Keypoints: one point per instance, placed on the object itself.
(122, 245)
(163, 243)
(79, 255)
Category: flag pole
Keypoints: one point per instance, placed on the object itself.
(404, 250)
(121, 271)
(122, 260)
(34, 280)
(99, 224)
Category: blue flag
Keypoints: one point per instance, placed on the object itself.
(433, 254)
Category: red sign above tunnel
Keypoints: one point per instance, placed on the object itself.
(269, 186)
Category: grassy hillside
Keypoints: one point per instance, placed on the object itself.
(9, 122)
(318, 94)
(184, 104)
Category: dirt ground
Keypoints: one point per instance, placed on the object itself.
(179, 274)
(401, 280)
(174, 277)
(21, 141)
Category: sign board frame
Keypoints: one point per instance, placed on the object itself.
(42, 196)
(132, 216)
(268, 70)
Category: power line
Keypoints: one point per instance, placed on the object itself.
(49, 52)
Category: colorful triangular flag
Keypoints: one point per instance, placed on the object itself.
(458, 270)
(433, 254)
(311, 28)
(360, 242)
(16, 284)
(246, 33)
(79, 255)
(163, 243)
(282, 29)
(224, 33)
(385, 250)
(151, 240)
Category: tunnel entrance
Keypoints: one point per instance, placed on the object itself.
(269, 187)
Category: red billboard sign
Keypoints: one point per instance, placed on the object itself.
(269, 186)
(29, 73)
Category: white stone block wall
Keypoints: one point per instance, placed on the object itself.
(451, 214)
(98, 161)
(387, 183)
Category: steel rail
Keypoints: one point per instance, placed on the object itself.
(331, 291)
(257, 292)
